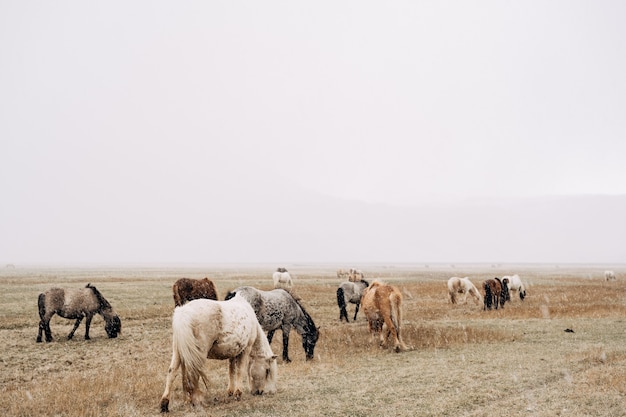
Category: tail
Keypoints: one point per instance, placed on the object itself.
(41, 303)
(192, 358)
(396, 315)
(487, 301)
(341, 302)
(177, 300)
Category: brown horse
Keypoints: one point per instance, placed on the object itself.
(496, 292)
(382, 305)
(187, 289)
(76, 303)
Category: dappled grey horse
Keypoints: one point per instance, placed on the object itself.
(350, 292)
(278, 309)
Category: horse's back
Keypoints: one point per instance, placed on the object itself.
(70, 302)
(225, 328)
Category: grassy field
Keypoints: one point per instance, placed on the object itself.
(518, 361)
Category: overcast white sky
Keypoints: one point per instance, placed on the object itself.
(114, 114)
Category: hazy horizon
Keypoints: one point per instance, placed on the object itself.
(209, 132)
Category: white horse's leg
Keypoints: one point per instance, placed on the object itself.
(171, 375)
(234, 376)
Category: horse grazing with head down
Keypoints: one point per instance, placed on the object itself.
(210, 329)
(382, 305)
(350, 292)
(496, 292)
(187, 289)
(515, 284)
(463, 286)
(78, 304)
(278, 309)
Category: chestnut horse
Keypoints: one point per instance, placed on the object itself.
(382, 305)
(187, 289)
(210, 329)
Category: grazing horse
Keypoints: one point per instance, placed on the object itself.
(355, 275)
(278, 309)
(282, 279)
(76, 303)
(187, 289)
(342, 274)
(515, 284)
(463, 286)
(211, 329)
(382, 304)
(609, 275)
(496, 292)
(350, 292)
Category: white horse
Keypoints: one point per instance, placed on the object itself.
(516, 284)
(609, 275)
(282, 280)
(210, 329)
(463, 286)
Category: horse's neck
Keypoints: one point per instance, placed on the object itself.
(261, 346)
(302, 323)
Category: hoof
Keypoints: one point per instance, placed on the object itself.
(165, 406)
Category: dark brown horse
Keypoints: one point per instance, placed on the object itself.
(496, 292)
(187, 289)
(76, 303)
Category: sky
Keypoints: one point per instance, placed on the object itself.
(134, 131)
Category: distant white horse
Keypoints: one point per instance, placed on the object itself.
(282, 280)
(516, 284)
(463, 286)
(609, 275)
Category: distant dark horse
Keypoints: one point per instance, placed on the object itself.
(187, 289)
(278, 309)
(496, 292)
(350, 292)
(76, 303)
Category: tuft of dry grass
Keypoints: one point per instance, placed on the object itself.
(463, 360)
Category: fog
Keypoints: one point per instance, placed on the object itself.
(158, 132)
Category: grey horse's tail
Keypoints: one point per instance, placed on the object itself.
(341, 302)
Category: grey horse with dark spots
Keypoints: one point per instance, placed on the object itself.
(350, 292)
(278, 309)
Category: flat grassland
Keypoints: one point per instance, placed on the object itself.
(516, 361)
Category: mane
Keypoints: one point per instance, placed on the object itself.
(309, 320)
(104, 304)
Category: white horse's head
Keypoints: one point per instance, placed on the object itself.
(262, 374)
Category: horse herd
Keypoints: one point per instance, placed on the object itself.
(496, 291)
(241, 327)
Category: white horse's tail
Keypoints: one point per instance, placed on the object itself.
(192, 357)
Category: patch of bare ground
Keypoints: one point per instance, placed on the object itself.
(463, 361)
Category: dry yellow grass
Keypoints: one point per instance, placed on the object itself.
(464, 361)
